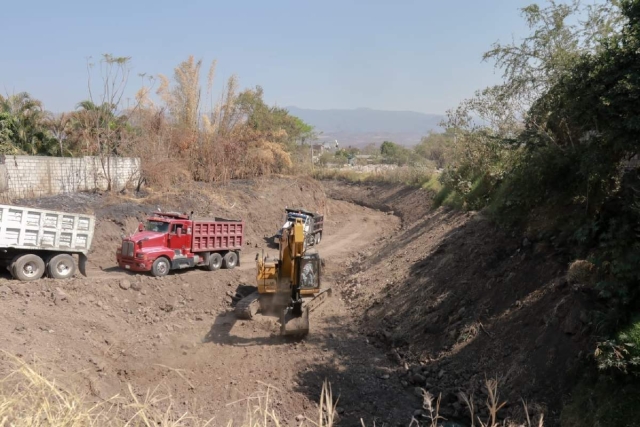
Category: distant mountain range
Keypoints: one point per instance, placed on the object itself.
(361, 126)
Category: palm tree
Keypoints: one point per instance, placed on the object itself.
(103, 131)
(29, 133)
(95, 123)
(61, 129)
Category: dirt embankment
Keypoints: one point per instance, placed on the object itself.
(178, 333)
(453, 298)
(434, 300)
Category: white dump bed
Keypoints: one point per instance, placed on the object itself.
(28, 228)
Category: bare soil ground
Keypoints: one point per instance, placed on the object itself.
(452, 298)
(422, 298)
(101, 333)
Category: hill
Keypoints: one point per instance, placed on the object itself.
(361, 126)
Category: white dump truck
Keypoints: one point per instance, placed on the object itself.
(35, 242)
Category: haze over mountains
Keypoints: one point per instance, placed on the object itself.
(361, 126)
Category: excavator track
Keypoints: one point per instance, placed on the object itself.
(248, 306)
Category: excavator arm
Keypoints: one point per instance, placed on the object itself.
(287, 280)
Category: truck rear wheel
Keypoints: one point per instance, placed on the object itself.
(28, 267)
(62, 266)
(230, 260)
(161, 267)
(215, 262)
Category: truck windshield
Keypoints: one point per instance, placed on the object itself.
(157, 226)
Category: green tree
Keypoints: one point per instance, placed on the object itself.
(395, 154)
(7, 127)
(275, 121)
(559, 34)
(27, 121)
(437, 147)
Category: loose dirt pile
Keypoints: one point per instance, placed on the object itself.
(452, 298)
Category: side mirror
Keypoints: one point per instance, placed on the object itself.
(140, 227)
(179, 231)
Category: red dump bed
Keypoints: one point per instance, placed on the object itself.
(217, 234)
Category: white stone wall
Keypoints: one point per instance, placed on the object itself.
(34, 176)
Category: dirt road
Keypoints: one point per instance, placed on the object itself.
(178, 332)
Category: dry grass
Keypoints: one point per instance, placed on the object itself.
(412, 176)
(431, 410)
(29, 399)
(582, 272)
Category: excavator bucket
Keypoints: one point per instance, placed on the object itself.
(294, 326)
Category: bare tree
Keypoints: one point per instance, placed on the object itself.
(103, 120)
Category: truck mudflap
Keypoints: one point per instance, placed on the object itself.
(82, 264)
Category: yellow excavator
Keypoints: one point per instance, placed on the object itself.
(284, 283)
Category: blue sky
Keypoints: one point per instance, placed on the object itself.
(395, 55)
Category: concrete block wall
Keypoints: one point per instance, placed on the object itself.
(34, 176)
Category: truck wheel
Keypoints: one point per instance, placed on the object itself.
(28, 267)
(62, 266)
(215, 262)
(12, 264)
(230, 260)
(160, 267)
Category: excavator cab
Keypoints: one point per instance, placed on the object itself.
(309, 274)
(294, 320)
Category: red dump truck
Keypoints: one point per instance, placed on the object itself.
(171, 241)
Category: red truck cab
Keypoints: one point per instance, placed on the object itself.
(170, 241)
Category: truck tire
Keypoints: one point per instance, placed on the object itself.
(61, 266)
(230, 260)
(215, 262)
(161, 267)
(28, 267)
(11, 264)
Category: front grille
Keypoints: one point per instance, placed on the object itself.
(127, 248)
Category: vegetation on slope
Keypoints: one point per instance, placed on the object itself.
(239, 137)
(551, 158)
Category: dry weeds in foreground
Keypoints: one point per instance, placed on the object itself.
(432, 410)
(27, 398)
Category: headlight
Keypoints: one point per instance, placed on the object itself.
(140, 256)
